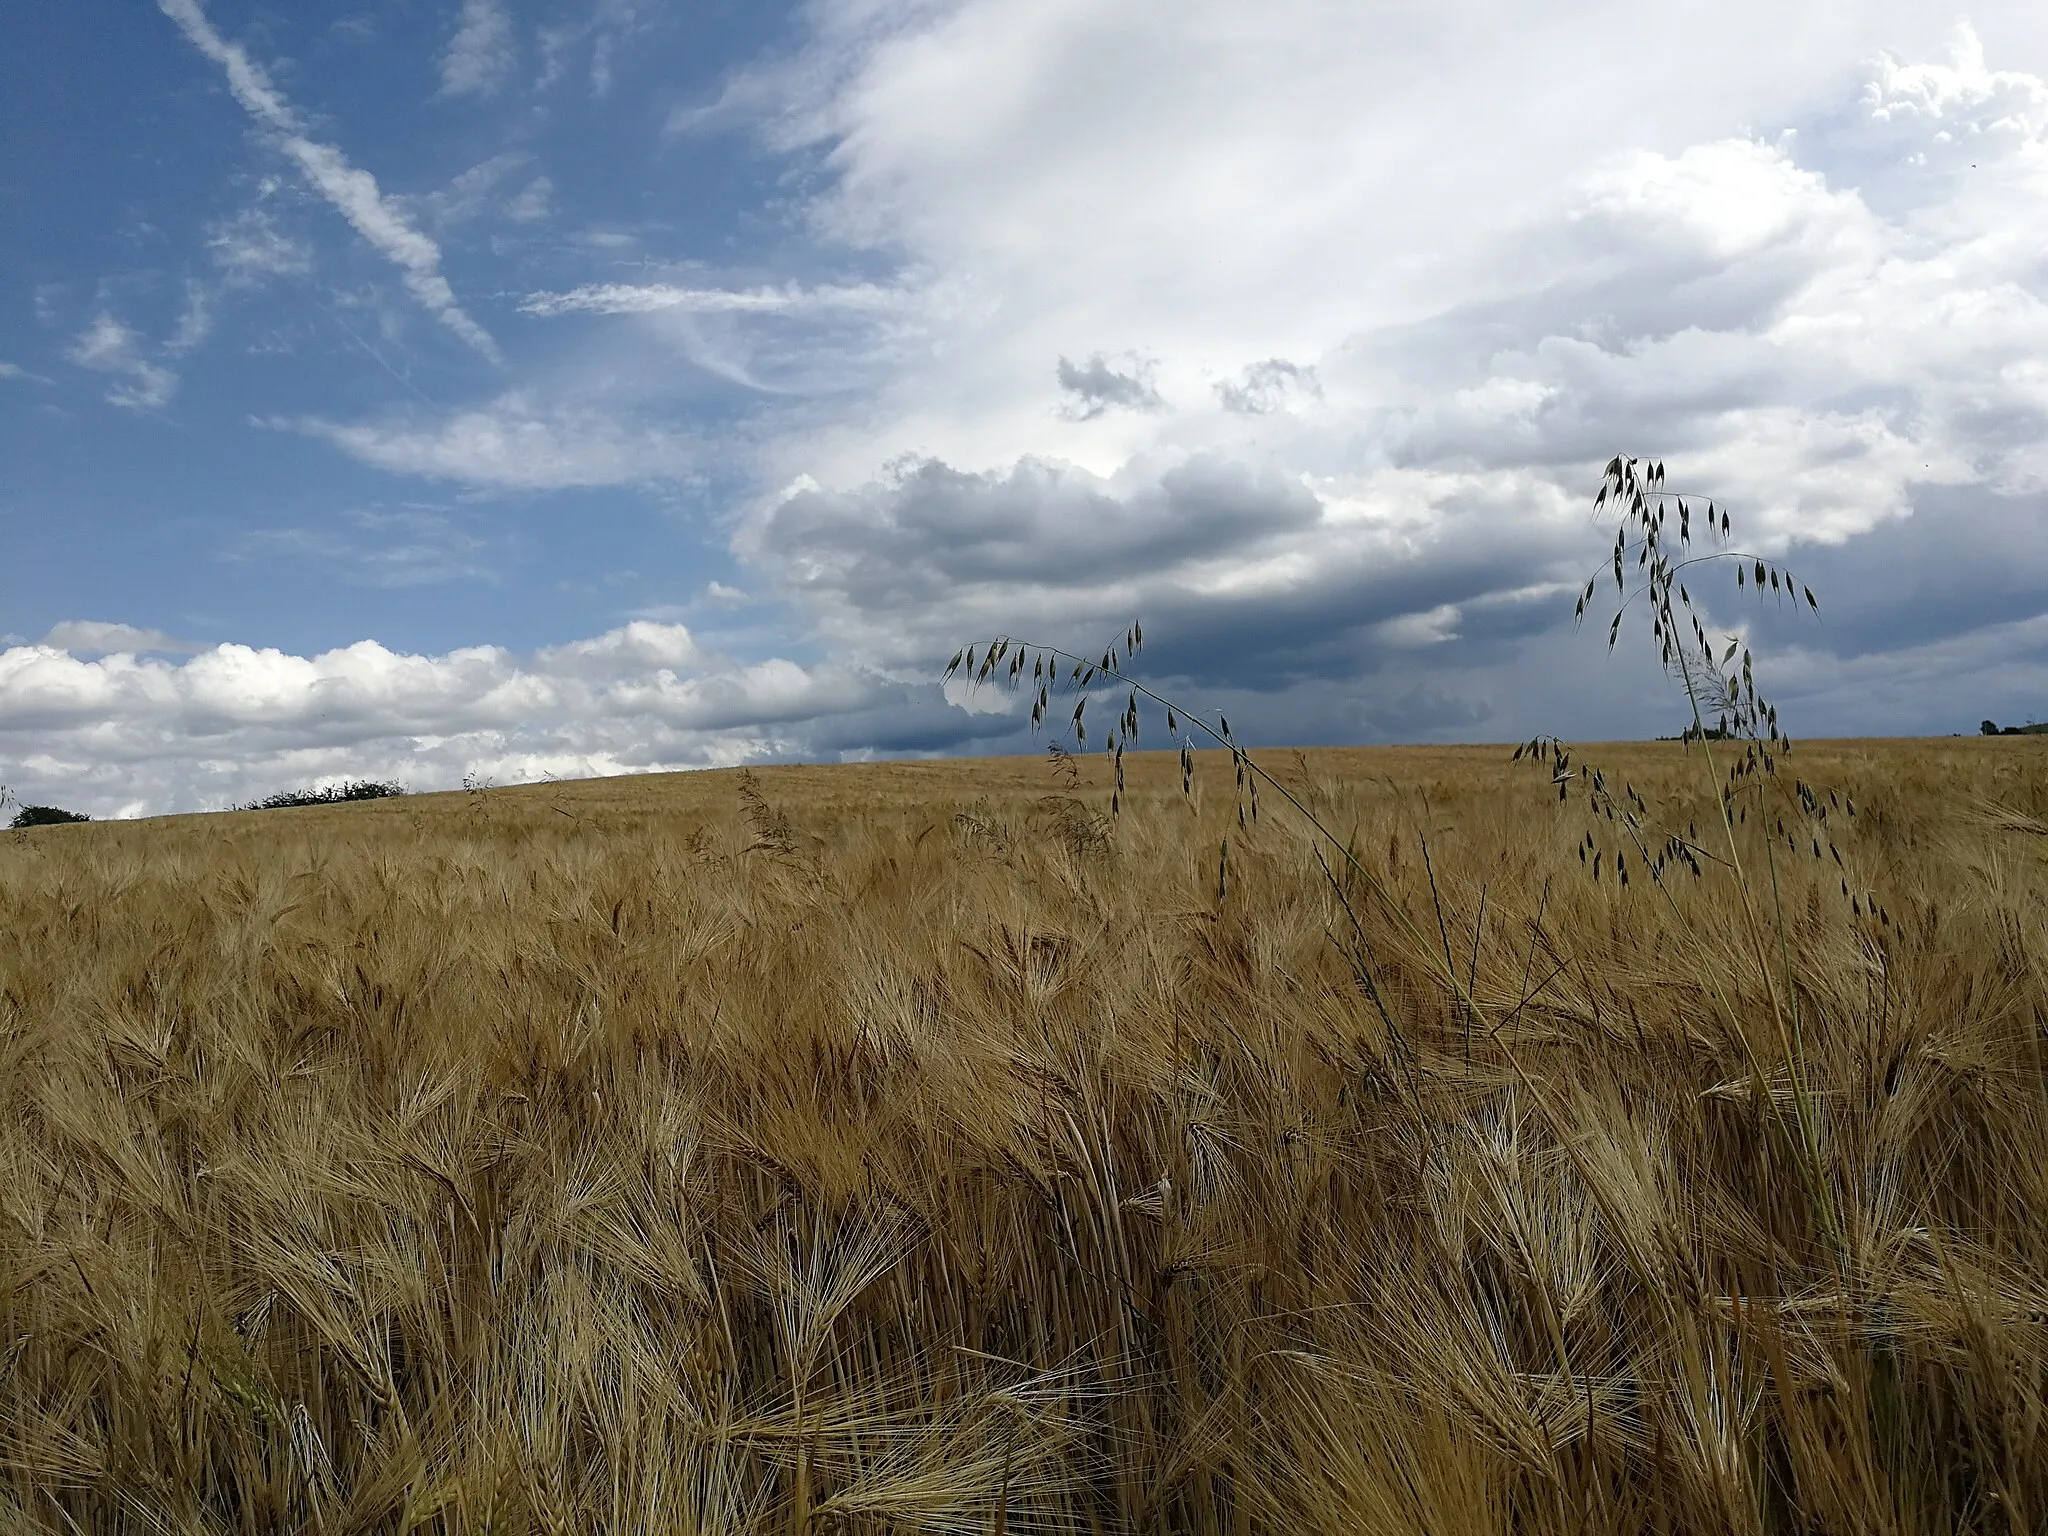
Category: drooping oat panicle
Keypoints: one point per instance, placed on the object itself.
(1082, 674)
(1723, 690)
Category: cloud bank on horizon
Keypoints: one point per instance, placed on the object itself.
(639, 698)
(1300, 336)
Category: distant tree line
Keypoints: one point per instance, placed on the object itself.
(27, 816)
(1992, 728)
(333, 794)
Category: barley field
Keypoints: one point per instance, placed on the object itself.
(911, 1147)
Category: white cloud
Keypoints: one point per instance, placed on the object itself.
(482, 54)
(1240, 564)
(250, 249)
(108, 346)
(352, 191)
(789, 340)
(473, 192)
(1404, 276)
(235, 722)
(1416, 630)
(95, 637)
(195, 320)
(1277, 188)
(554, 43)
(533, 203)
(515, 444)
(654, 298)
(607, 26)
(1428, 268)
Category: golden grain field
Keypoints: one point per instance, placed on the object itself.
(906, 1148)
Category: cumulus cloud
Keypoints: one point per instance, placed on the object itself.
(1407, 277)
(135, 734)
(351, 190)
(482, 54)
(928, 533)
(1242, 574)
(108, 346)
(1403, 323)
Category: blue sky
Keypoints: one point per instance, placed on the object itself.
(435, 387)
(141, 193)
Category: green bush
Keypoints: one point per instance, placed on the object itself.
(46, 816)
(333, 794)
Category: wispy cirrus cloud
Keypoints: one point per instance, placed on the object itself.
(470, 194)
(785, 340)
(482, 54)
(514, 444)
(606, 26)
(533, 203)
(250, 249)
(654, 298)
(195, 320)
(108, 346)
(351, 190)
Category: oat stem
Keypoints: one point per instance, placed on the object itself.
(1240, 758)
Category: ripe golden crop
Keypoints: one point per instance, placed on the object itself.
(913, 1147)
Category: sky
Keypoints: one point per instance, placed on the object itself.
(445, 390)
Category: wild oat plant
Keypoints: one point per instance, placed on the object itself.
(902, 1147)
(1654, 559)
